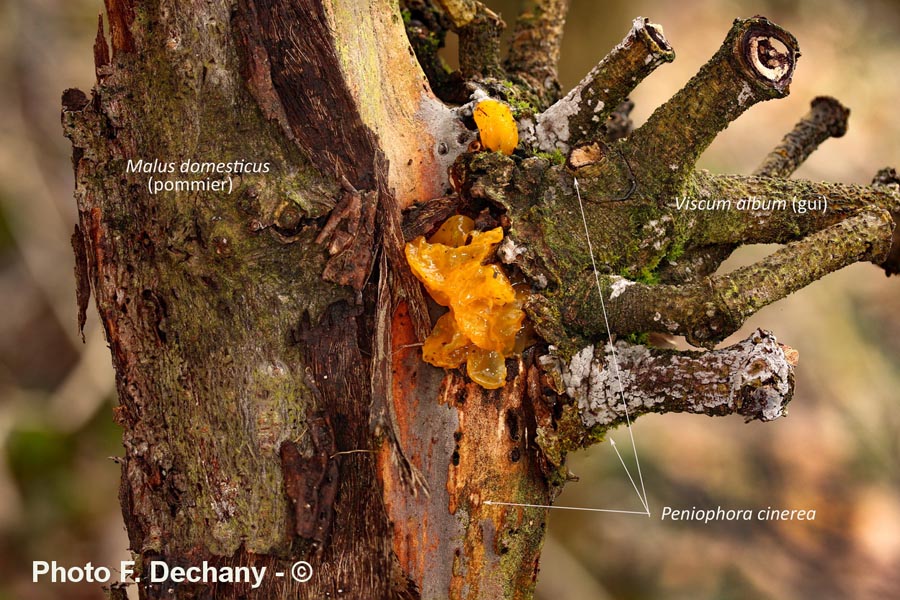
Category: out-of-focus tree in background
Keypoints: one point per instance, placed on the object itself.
(58, 487)
(838, 452)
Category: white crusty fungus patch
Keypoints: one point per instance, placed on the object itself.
(745, 94)
(751, 378)
(448, 134)
(619, 285)
(508, 251)
(551, 129)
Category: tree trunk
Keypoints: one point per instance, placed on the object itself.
(245, 380)
(266, 335)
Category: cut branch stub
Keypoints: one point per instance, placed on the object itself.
(770, 51)
(426, 29)
(461, 12)
(753, 378)
(581, 115)
(479, 30)
(826, 118)
(887, 178)
(755, 63)
(534, 49)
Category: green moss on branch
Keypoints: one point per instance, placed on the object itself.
(709, 310)
(779, 220)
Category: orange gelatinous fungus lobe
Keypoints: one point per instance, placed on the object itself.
(454, 232)
(487, 368)
(474, 253)
(480, 295)
(428, 268)
(485, 315)
(506, 326)
(496, 126)
(446, 346)
(441, 267)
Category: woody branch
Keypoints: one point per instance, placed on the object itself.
(711, 309)
(582, 114)
(753, 378)
(534, 49)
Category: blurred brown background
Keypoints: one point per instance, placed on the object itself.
(838, 452)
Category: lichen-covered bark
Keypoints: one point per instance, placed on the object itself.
(583, 113)
(640, 198)
(666, 148)
(752, 378)
(660, 228)
(205, 399)
(716, 306)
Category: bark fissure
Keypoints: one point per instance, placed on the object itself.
(319, 107)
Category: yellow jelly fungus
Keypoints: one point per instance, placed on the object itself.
(487, 368)
(446, 346)
(485, 310)
(496, 126)
(454, 232)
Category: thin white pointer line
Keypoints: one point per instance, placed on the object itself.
(614, 355)
(626, 512)
(627, 472)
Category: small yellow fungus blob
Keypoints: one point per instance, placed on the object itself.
(496, 126)
(486, 368)
(454, 232)
(485, 310)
